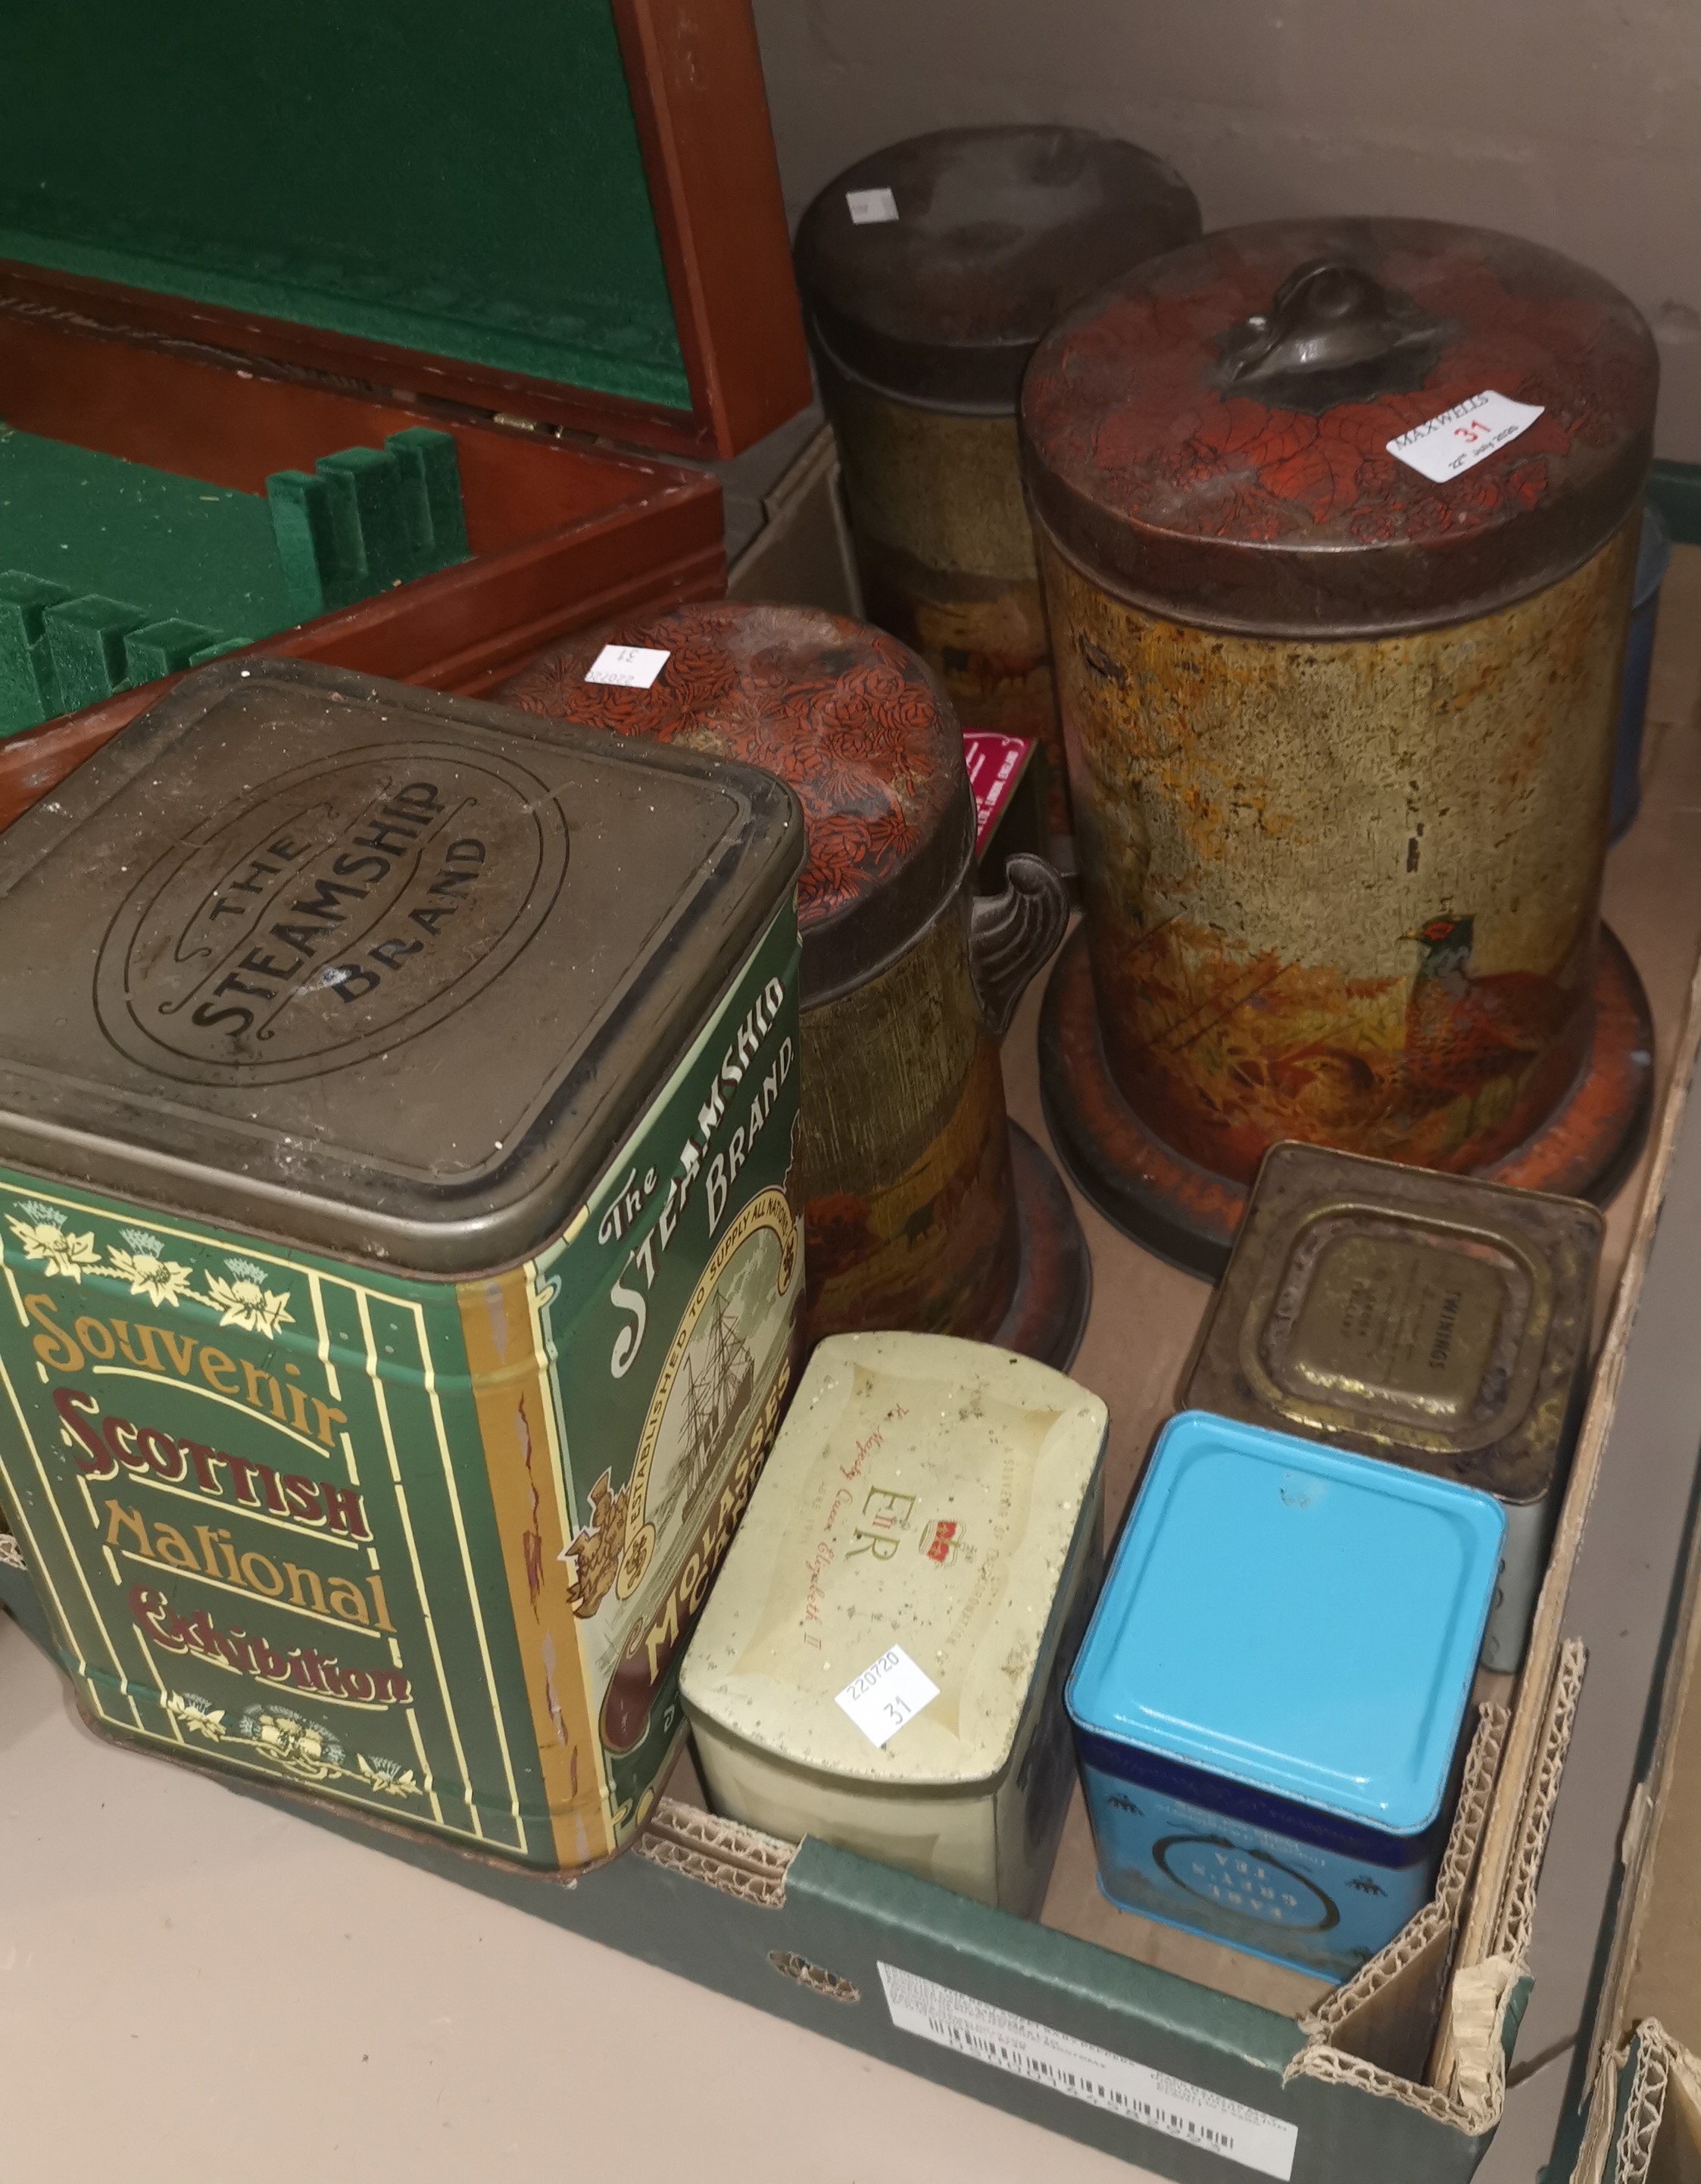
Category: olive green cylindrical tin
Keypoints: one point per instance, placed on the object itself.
(1438, 1321)
(402, 1268)
(925, 1208)
(1341, 734)
(923, 322)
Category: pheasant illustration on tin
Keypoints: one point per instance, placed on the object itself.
(1464, 1028)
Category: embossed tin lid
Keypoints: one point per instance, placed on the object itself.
(922, 1492)
(377, 972)
(1434, 1319)
(998, 231)
(1209, 436)
(846, 715)
(1294, 1619)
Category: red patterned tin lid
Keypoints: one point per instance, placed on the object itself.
(846, 715)
(1211, 436)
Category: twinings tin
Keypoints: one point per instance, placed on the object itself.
(400, 1267)
(1433, 1320)
(1268, 1704)
(881, 1663)
(922, 322)
(925, 1208)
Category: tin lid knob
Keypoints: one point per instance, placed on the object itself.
(1333, 333)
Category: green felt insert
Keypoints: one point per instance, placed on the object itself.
(463, 182)
(112, 573)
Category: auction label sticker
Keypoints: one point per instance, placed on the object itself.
(868, 208)
(1085, 2073)
(886, 1696)
(1464, 436)
(635, 667)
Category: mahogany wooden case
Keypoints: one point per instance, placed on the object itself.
(569, 517)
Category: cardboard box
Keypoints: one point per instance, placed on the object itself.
(1633, 2111)
(1398, 2075)
(800, 1930)
(561, 241)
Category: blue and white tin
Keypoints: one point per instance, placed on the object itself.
(1268, 1703)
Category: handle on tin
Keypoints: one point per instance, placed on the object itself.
(1333, 333)
(1010, 935)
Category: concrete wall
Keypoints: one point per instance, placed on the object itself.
(1575, 122)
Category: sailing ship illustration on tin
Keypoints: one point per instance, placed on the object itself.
(715, 1403)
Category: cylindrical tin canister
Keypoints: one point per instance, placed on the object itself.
(1268, 1702)
(399, 1229)
(1652, 560)
(965, 1549)
(922, 319)
(909, 978)
(1341, 732)
(1436, 1321)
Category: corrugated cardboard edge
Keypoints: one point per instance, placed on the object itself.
(1350, 2021)
(738, 1860)
(1639, 1842)
(1344, 2032)
(1662, 2074)
(1657, 2057)
(1517, 1919)
(1500, 1902)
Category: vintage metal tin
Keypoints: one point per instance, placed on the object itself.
(921, 326)
(1340, 738)
(919, 1213)
(1268, 1699)
(401, 1267)
(940, 1497)
(1436, 1321)
(1652, 560)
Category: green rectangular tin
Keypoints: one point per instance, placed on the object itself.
(401, 1259)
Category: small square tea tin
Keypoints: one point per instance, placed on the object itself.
(1268, 1699)
(1433, 1320)
(930, 1521)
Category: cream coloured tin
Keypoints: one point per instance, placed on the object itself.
(930, 1518)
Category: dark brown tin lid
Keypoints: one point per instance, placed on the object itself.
(1437, 1320)
(846, 715)
(374, 972)
(1209, 436)
(998, 232)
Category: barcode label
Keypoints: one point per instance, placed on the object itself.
(1085, 2073)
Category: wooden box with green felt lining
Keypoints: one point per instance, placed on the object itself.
(364, 349)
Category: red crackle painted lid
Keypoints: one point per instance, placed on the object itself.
(1209, 436)
(846, 715)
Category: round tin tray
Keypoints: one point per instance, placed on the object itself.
(1047, 1314)
(1188, 1214)
(1053, 1285)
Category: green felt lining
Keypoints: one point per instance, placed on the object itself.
(470, 185)
(113, 573)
